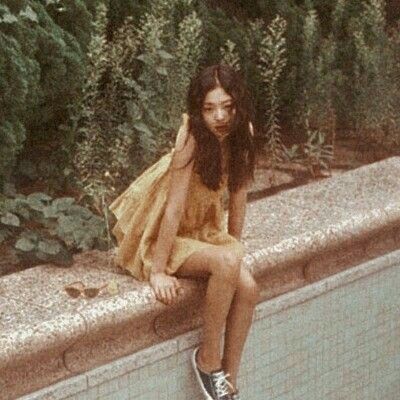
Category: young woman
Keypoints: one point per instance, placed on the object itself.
(170, 222)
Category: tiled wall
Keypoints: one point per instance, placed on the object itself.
(336, 339)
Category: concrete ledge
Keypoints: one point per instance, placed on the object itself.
(293, 239)
(115, 377)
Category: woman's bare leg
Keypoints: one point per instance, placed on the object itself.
(222, 267)
(238, 323)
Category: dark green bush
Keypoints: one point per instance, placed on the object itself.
(134, 94)
(42, 68)
(338, 53)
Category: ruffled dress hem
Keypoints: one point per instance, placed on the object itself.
(139, 210)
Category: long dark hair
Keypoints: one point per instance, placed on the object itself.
(208, 156)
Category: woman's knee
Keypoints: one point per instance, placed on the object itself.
(247, 288)
(228, 264)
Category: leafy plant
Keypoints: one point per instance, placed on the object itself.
(317, 153)
(43, 229)
(272, 61)
(230, 56)
(41, 65)
(375, 85)
(135, 94)
(318, 77)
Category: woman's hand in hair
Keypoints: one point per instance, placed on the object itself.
(166, 287)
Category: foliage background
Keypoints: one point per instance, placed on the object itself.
(92, 90)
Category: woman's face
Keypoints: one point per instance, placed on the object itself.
(218, 112)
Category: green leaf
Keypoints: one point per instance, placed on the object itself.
(79, 212)
(48, 2)
(165, 55)
(63, 203)
(39, 196)
(125, 129)
(23, 212)
(67, 224)
(142, 127)
(133, 110)
(157, 43)
(84, 239)
(29, 14)
(50, 212)
(25, 244)
(144, 58)
(162, 71)
(10, 219)
(49, 246)
(36, 204)
(9, 18)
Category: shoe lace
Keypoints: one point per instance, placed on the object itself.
(222, 385)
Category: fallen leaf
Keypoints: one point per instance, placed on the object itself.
(112, 287)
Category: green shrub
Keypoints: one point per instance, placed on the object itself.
(41, 65)
(127, 116)
(43, 229)
(123, 89)
(317, 77)
(272, 61)
(17, 76)
(375, 85)
(230, 56)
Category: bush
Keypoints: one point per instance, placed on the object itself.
(135, 94)
(41, 68)
(316, 79)
(43, 229)
(376, 71)
(124, 87)
(17, 76)
(272, 61)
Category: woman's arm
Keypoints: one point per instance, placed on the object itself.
(237, 212)
(176, 197)
(237, 205)
(167, 287)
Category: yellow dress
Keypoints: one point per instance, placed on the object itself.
(139, 210)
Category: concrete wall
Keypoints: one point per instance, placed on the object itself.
(338, 338)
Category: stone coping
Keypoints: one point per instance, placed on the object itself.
(292, 239)
(125, 365)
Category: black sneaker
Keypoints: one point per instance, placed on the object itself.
(214, 385)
